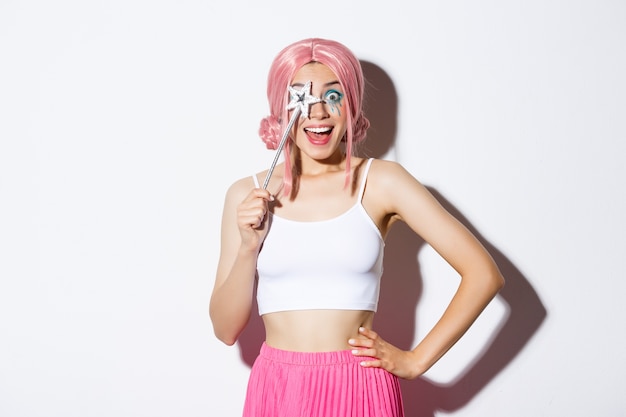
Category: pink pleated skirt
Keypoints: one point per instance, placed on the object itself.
(319, 384)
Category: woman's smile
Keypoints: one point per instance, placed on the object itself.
(318, 135)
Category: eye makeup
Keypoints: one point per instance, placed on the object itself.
(333, 98)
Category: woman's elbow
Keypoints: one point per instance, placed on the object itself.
(224, 330)
(226, 339)
(225, 335)
(496, 281)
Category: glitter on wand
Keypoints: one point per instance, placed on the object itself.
(300, 102)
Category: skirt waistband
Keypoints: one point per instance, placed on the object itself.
(308, 358)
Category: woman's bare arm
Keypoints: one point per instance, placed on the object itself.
(244, 226)
(406, 199)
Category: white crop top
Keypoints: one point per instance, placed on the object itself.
(328, 264)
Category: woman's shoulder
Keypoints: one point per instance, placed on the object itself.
(385, 163)
(386, 170)
(246, 182)
(242, 186)
(391, 181)
(238, 189)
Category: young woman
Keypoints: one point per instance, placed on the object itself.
(313, 241)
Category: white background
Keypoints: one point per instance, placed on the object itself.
(122, 123)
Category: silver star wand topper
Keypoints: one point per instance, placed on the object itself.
(300, 102)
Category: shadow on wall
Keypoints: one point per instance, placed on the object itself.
(402, 285)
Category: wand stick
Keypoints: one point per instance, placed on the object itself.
(294, 116)
(301, 100)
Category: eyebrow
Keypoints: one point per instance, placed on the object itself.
(328, 84)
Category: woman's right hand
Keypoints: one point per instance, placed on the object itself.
(252, 218)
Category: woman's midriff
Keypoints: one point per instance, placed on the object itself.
(314, 330)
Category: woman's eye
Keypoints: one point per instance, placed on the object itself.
(333, 96)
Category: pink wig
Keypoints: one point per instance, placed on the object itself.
(343, 64)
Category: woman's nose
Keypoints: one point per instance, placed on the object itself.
(318, 111)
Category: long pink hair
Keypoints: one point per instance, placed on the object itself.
(344, 64)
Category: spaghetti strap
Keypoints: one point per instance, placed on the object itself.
(256, 181)
(364, 179)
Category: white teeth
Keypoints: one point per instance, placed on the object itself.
(318, 129)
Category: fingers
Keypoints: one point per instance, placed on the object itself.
(366, 340)
(252, 210)
(369, 333)
(369, 344)
(377, 353)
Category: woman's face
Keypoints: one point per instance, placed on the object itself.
(319, 136)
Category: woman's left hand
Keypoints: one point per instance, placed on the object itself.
(378, 353)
